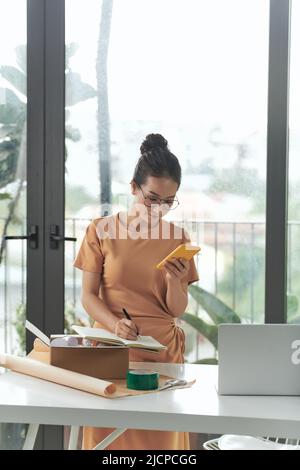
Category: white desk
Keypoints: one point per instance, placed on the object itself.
(24, 399)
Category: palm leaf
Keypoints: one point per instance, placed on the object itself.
(71, 50)
(77, 90)
(21, 55)
(11, 107)
(210, 332)
(15, 77)
(72, 133)
(292, 304)
(208, 360)
(5, 196)
(218, 311)
(6, 130)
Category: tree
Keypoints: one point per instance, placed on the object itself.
(103, 120)
(13, 126)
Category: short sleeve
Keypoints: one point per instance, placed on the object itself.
(90, 257)
(192, 275)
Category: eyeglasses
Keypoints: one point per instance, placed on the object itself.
(149, 200)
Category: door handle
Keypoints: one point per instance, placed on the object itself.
(55, 238)
(32, 237)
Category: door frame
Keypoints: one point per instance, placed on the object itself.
(45, 175)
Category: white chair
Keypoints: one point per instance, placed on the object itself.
(213, 444)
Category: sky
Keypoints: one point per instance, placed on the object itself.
(190, 64)
(195, 64)
(177, 56)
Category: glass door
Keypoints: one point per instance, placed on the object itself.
(98, 77)
(126, 78)
(293, 231)
(31, 198)
(13, 192)
(13, 182)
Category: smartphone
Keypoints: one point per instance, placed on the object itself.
(186, 251)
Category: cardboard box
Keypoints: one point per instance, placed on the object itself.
(107, 362)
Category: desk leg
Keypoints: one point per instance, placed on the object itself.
(31, 436)
(109, 439)
(73, 440)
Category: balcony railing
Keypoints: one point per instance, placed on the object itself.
(231, 266)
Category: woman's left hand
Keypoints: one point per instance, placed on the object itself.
(176, 268)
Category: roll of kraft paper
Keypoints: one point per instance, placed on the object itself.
(142, 379)
(56, 374)
(40, 346)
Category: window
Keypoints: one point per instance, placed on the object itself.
(293, 251)
(204, 87)
(13, 193)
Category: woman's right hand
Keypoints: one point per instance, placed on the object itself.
(126, 329)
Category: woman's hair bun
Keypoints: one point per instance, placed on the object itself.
(153, 141)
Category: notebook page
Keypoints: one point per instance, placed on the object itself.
(144, 341)
(97, 334)
(106, 336)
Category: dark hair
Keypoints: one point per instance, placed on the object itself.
(156, 160)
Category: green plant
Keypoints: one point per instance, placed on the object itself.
(219, 312)
(72, 319)
(292, 308)
(13, 111)
(12, 435)
(19, 324)
(69, 320)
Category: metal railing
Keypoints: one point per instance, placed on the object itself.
(231, 267)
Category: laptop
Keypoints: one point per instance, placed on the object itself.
(259, 359)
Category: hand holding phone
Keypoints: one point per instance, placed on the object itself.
(185, 250)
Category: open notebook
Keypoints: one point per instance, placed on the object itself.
(104, 336)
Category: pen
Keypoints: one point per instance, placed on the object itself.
(129, 318)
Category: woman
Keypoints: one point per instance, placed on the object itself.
(119, 272)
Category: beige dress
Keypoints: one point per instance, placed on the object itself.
(130, 280)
